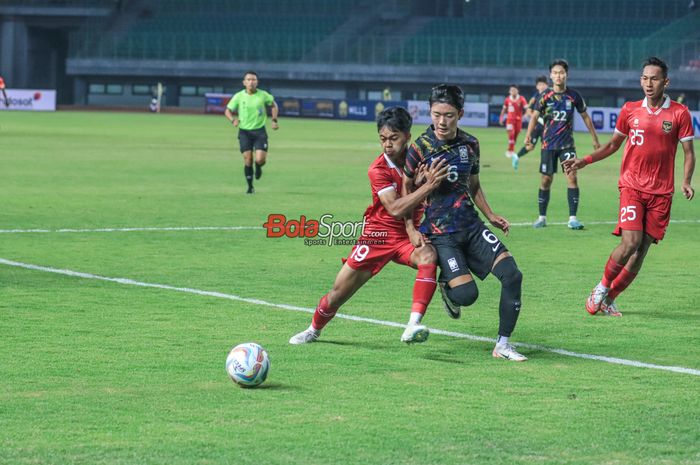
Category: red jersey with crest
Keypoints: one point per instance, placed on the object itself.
(515, 108)
(384, 176)
(652, 139)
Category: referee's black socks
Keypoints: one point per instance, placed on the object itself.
(248, 171)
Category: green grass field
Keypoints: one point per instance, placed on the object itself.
(102, 372)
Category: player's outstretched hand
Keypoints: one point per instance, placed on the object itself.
(501, 223)
(596, 144)
(529, 145)
(436, 173)
(275, 125)
(688, 191)
(416, 238)
(572, 165)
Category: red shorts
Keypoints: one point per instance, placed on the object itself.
(640, 211)
(515, 126)
(371, 254)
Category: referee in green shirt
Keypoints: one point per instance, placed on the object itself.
(247, 110)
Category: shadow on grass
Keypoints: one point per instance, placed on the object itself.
(273, 387)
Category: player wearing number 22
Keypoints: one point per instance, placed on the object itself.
(653, 127)
(465, 246)
(556, 106)
(389, 233)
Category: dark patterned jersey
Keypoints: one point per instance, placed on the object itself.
(557, 110)
(449, 207)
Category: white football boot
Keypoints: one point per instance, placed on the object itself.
(308, 335)
(415, 333)
(508, 352)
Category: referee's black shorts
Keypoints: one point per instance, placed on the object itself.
(252, 139)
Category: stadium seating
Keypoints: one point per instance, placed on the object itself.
(508, 33)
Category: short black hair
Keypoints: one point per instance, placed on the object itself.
(446, 93)
(542, 78)
(395, 118)
(656, 61)
(514, 85)
(561, 62)
(250, 72)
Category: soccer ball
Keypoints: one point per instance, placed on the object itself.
(248, 364)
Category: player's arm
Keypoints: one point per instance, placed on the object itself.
(573, 164)
(589, 124)
(231, 111)
(528, 107)
(531, 127)
(402, 207)
(275, 112)
(688, 169)
(501, 121)
(479, 198)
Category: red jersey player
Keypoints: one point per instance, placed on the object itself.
(654, 126)
(513, 108)
(4, 94)
(390, 232)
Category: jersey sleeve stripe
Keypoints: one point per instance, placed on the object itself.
(620, 133)
(686, 139)
(385, 189)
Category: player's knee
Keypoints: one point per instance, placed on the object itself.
(464, 294)
(508, 273)
(426, 255)
(630, 246)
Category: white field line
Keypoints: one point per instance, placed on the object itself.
(240, 228)
(173, 228)
(221, 295)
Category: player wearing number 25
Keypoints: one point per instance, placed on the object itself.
(464, 244)
(556, 106)
(653, 127)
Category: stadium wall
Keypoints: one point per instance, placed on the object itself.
(482, 85)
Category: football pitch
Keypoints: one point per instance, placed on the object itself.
(131, 261)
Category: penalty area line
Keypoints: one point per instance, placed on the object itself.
(221, 295)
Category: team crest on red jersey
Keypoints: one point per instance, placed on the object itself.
(666, 126)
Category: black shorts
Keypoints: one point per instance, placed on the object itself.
(253, 139)
(551, 158)
(536, 134)
(467, 252)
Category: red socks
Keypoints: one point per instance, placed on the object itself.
(423, 291)
(424, 287)
(323, 314)
(623, 280)
(612, 269)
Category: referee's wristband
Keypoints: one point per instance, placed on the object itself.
(274, 120)
(588, 159)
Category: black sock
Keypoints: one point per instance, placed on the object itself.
(511, 280)
(543, 201)
(258, 170)
(248, 171)
(522, 152)
(572, 194)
